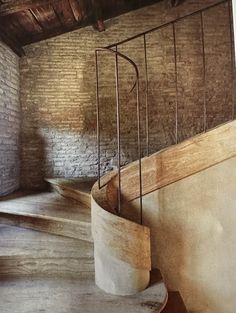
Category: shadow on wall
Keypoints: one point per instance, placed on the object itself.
(59, 136)
(33, 160)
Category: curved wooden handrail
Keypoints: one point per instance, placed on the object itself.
(173, 164)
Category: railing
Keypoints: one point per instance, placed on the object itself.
(113, 49)
(136, 85)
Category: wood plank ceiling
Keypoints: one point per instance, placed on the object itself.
(23, 22)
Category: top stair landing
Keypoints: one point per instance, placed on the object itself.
(78, 189)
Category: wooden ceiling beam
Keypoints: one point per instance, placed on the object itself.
(174, 3)
(97, 15)
(53, 33)
(75, 8)
(21, 5)
(11, 43)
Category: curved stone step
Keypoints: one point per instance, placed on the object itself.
(73, 295)
(28, 252)
(56, 274)
(48, 212)
(78, 189)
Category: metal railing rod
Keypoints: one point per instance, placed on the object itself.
(98, 120)
(176, 84)
(139, 154)
(118, 132)
(146, 93)
(166, 24)
(204, 74)
(135, 85)
(232, 45)
(125, 58)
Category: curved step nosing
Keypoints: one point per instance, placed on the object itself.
(45, 217)
(80, 230)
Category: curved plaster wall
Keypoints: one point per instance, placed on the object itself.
(189, 207)
(192, 224)
(121, 250)
(9, 120)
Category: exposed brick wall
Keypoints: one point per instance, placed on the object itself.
(9, 120)
(58, 90)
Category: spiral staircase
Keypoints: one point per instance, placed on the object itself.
(153, 234)
(47, 256)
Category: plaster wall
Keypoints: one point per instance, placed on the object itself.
(193, 223)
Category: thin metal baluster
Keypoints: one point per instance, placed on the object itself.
(118, 130)
(232, 58)
(98, 120)
(146, 93)
(176, 85)
(204, 73)
(140, 154)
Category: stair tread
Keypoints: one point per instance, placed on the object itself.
(22, 243)
(81, 184)
(46, 205)
(28, 253)
(70, 295)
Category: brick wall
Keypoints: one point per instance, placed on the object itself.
(58, 90)
(9, 120)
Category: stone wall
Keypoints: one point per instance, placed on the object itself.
(58, 90)
(9, 120)
(234, 20)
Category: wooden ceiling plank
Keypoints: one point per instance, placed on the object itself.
(174, 3)
(76, 10)
(46, 17)
(56, 17)
(29, 23)
(21, 5)
(12, 26)
(36, 19)
(54, 33)
(64, 13)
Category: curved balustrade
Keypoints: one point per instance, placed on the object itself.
(124, 247)
(123, 250)
(136, 85)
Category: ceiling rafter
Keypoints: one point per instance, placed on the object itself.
(21, 5)
(74, 5)
(174, 3)
(36, 19)
(43, 19)
(97, 15)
